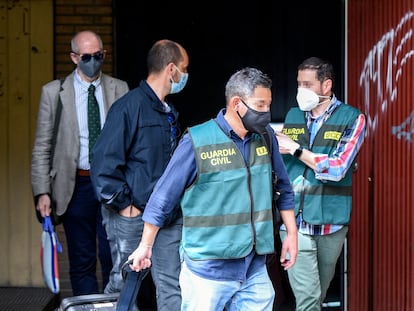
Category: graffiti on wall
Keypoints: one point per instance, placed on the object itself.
(406, 129)
(383, 68)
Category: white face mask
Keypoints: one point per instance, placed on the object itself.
(308, 99)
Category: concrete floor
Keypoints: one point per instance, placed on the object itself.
(27, 298)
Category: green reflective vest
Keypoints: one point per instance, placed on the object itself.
(321, 202)
(228, 209)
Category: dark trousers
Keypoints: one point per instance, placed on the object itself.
(86, 239)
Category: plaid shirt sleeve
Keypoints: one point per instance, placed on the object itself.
(335, 167)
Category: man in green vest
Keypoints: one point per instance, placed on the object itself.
(221, 174)
(319, 143)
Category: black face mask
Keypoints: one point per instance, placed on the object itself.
(255, 121)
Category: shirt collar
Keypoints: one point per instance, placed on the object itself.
(332, 106)
(84, 84)
(225, 126)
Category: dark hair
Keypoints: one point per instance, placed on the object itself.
(161, 54)
(324, 69)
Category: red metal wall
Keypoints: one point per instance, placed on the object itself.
(380, 68)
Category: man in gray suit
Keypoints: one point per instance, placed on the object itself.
(61, 163)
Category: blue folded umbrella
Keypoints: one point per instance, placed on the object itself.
(49, 255)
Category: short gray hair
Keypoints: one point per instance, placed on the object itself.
(245, 81)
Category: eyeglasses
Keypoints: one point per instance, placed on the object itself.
(257, 104)
(98, 56)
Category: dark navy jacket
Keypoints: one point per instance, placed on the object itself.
(132, 150)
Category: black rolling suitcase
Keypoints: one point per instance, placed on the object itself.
(123, 301)
(93, 302)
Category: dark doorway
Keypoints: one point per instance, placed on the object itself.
(271, 35)
(274, 36)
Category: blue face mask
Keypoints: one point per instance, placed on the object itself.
(178, 86)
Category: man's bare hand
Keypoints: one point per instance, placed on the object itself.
(44, 205)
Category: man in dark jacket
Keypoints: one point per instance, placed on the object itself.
(130, 155)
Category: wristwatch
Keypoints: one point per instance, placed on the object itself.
(298, 152)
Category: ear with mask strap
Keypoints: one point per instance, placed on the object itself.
(179, 86)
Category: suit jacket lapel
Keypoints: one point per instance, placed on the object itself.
(69, 113)
(108, 91)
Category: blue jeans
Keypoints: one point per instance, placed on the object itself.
(199, 294)
(315, 266)
(166, 266)
(82, 222)
(124, 235)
